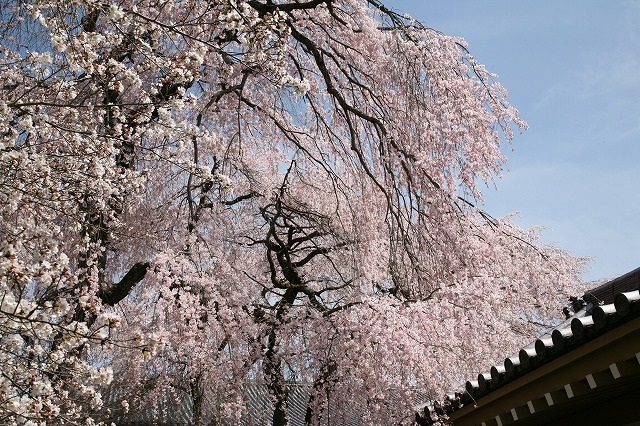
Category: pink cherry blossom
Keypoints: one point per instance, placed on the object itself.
(198, 195)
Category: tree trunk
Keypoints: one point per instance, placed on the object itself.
(275, 382)
(197, 395)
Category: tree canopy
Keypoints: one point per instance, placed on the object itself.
(199, 194)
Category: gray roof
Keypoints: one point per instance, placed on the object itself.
(597, 312)
(175, 408)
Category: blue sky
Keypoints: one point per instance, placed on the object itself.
(572, 68)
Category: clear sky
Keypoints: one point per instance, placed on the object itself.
(572, 68)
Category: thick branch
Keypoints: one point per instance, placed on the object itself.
(285, 7)
(239, 198)
(116, 292)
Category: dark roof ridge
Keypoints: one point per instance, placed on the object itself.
(605, 293)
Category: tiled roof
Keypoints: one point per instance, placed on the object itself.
(600, 310)
(176, 408)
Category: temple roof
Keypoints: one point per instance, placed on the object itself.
(605, 316)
